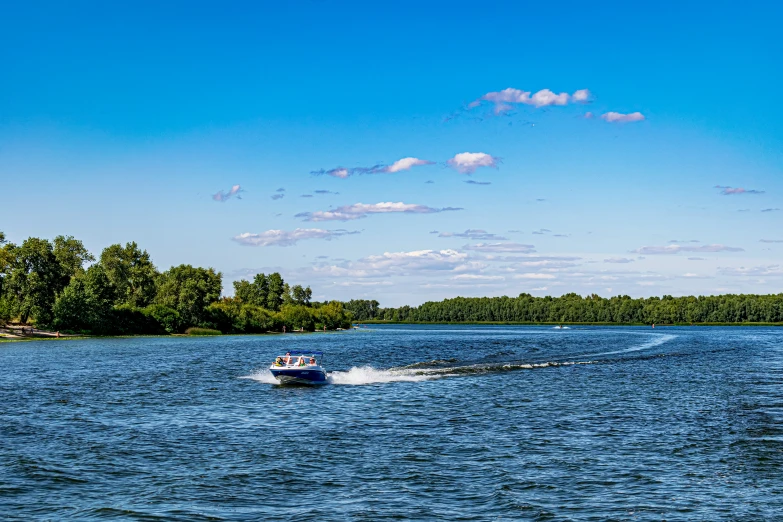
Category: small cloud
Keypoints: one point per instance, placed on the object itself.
(618, 260)
(477, 277)
(561, 235)
(343, 172)
(286, 238)
(474, 182)
(501, 248)
(277, 196)
(696, 259)
(541, 231)
(468, 162)
(771, 240)
(767, 270)
(362, 210)
(429, 181)
(744, 210)
(475, 234)
(306, 196)
(406, 164)
(321, 192)
(676, 249)
(770, 210)
(684, 241)
(540, 199)
(533, 275)
(618, 117)
(733, 191)
(589, 116)
(542, 98)
(224, 196)
(280, 190)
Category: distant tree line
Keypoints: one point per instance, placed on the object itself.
(60, 285)
(573, 308)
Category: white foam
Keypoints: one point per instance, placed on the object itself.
(264, 376)
(658, 340)
(357, 376)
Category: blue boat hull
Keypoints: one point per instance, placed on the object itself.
(297, 376)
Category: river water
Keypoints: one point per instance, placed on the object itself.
(418, 422)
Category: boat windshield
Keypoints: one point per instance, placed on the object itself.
(290, 360)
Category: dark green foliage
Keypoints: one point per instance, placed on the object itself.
(573, 308)
(297, 317)
(33, 280)
(255, 293)
(362, 309)
(131, 272)
(86, 304)
(189, 291)
(167, 318)
(276, 287)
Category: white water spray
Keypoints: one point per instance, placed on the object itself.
(368, 375)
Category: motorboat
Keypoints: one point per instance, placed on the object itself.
(299, 367)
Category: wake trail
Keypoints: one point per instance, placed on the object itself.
(652, 343)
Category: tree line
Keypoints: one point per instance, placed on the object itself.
(60, 285)
(573, 308)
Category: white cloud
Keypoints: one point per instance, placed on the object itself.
(405, 164)
(343, 172)
(542, 98)
(768, 270)
(618, 117)
(618, 260)
(771, 240)
(475, 234)
(398, 263)
(477, 277)
(234, 192)
(676, 249)
(289, 238)
(501, 248)
(533, 275)
(468, 162)
(362, 210)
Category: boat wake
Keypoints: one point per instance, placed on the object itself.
(652, 343)
(357, 376)
(440, 368)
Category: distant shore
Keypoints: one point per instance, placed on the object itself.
(564, 323)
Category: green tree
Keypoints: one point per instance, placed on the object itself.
(132, 273)
(254, 293)
(301, 296)
(189, 290)
(276, 287)
(72, 256)
(86, 303)
(34, 279)
(296, 317)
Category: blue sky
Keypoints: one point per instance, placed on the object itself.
(134, 122)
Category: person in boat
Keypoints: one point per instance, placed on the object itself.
(312, 361)
(288, 357)
(279, 361)
(302, 361)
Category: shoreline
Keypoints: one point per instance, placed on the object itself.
(71, 337)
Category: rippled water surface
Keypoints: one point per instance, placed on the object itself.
(424, 422)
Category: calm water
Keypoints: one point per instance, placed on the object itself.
(450, 423)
